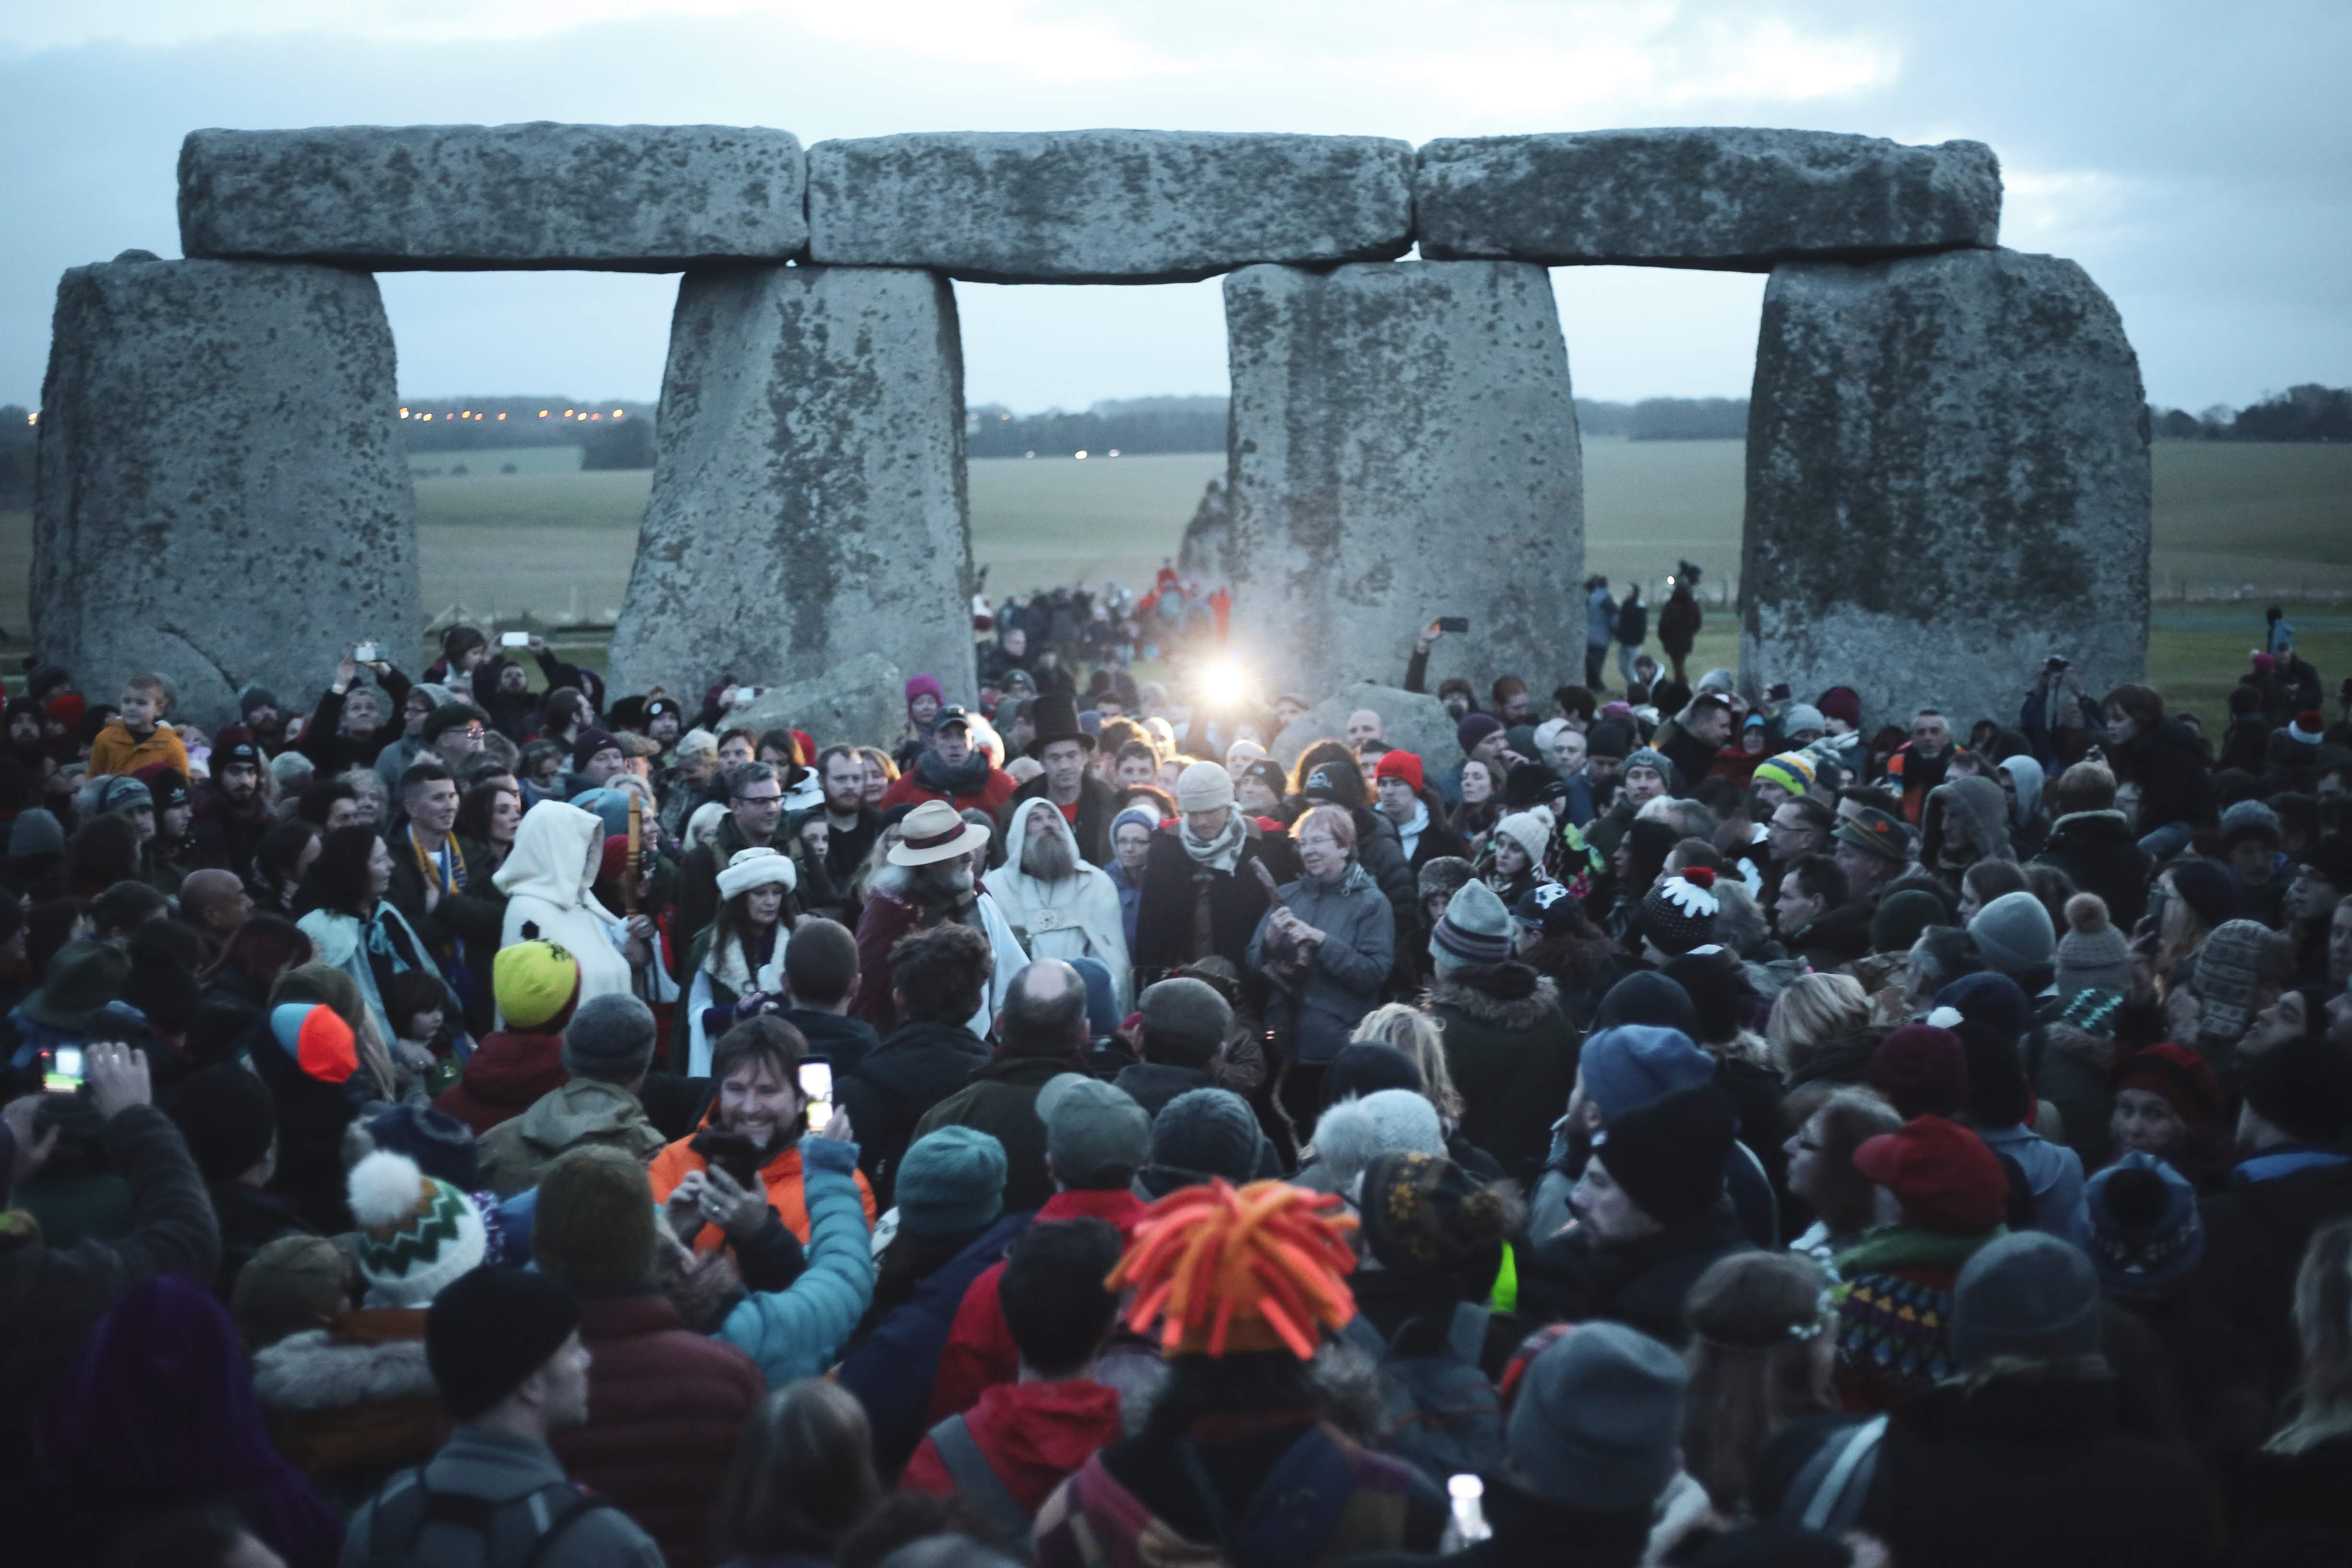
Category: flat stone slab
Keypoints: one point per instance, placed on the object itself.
(1107, 206)
(1947, 481)
(1404, 447)
(808, 493)
(1411, 720)
(626, 198)
(1730, 198)
(223, 495)
(861, 703)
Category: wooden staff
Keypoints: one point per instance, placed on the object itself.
(630, 875)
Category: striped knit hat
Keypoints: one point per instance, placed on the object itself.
(1792, 770)
(1474, 929)
(416, 1234)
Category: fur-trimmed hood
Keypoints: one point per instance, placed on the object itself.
(1453, 989)
(322, 1369)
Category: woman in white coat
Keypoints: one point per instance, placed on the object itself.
(546, 877)
(1059, 906)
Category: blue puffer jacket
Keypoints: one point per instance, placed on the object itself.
(796, 1332)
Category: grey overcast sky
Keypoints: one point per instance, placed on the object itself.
(2193, 157)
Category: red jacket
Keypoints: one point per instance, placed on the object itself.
(980, 1353)
(1033, 1434)
(504, 1078)
(665, 1408)
(909, 790)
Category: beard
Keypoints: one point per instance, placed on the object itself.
(1049, 857)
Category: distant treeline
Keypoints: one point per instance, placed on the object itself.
(2307, 413)
(1665, 418)
(18, 438)
(1136, 425)
(450, 429)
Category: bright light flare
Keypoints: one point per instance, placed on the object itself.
(1223, 684)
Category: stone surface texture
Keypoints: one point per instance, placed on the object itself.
(1947, 479)
(1411, 721)
(1107, 206)
(808, 501)
(639, 199)
(1404, 447)
(862, 702)
(1735, 199)
(223, 494)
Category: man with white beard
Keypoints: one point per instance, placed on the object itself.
(1060, 907)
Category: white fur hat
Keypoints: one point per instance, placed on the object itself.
(758, 867)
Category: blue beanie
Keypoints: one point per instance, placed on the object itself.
(1634, 1064)
(1992, 998)
(949, 1182)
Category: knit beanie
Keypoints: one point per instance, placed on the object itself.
(292, 1285)
(1668, 1154)
(1803, 718)
(1986, 998)
(534, 983)
(1597, 1424)
(227, 1118)
(1841, 702)
(1096, 1133)
(1656, 761)
(588, 744)
(2206, 889)
(1530, 830)
(1633, 1064)
(1204, 786)
(2092, 954)
(2015, 935)
(1922, 1070)
(1944, 1175)
(1476, 929)
(252, 697)
(1716, 985)
(1474, 729)
(1206, 1132)
(2229, 972)
(490, 1331)
(1901, 918)
(2178, 1075)
(2248, 821)
(950, 1180)
(1366, 1067)
(34, 833)
(442, 1146)
(2307, 728)
(1647, 996)
(1187, 1012)
(318, 1040)
(1352, 1133)
(1792, 770)
(2029, 1295)
(2303, 1087)
(117, 793)
(1549, 908)
(1607, 737)
(1677, 913)
(2146, 1235)
(609, 1039)
(418, 1234)
(1399, 763)
(593, 1228)
(1424, 1215)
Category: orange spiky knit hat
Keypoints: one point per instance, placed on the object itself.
(1254, 1269)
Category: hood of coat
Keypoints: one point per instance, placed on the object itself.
(1048, 1427)
(1980, 809)
(322, 1369)
(510, 1069)
(2027, 776)
(550, 858)
(582, 1109)
(1452, 989)
(1017, 839)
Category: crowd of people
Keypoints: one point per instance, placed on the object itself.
(479, 1118)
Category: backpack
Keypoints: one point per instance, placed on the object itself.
(407, 1508)
(1438, 1412)
(978, 1484)
(1829, 1493)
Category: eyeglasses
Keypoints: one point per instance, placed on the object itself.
(759, 799)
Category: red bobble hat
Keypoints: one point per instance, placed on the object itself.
(1400, 765)
(1946, 1178)
(2178, 1075)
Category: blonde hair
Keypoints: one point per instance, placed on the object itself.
(1333, 819)
(1814, 1010)
(1421, 1038)
(2323, 1322)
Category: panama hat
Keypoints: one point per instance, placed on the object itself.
(935, 831)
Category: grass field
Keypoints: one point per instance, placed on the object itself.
(2273, 520)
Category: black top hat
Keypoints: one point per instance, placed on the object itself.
(1057, 718)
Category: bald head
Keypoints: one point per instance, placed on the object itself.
(1364, 725)
(1044, 1012)
(215, 902)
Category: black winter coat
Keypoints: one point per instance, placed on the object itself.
(1172, 885)
(1641, 1284)
(2255, 1233)
(2101, 853)
(1512, 1055)
(916, 1066)
(2169, 767)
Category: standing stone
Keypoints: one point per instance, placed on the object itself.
(1733, 199)
(223, 494)
(1410, 720)
(808, 494)
(1404, 447)
(629, 198)
(1948, 480)
(1107, 206)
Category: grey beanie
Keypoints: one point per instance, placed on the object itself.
(1188, 1013)
(119, 792)
(2092, 955)
(253, 695)
(1657, 760)
(1475, 930)
(1096, 1133)
(2015, 935)
(1798, 716)
(950, 1180)
(2029, 1295)
(1598, 1421)
(1207, 1132)
(36, 832)
(609, 1039)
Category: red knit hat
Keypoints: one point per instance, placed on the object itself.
(1399, 765)
(68, 709)
(1922, 1070)
(1946, 1178)
(2178, 1075)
